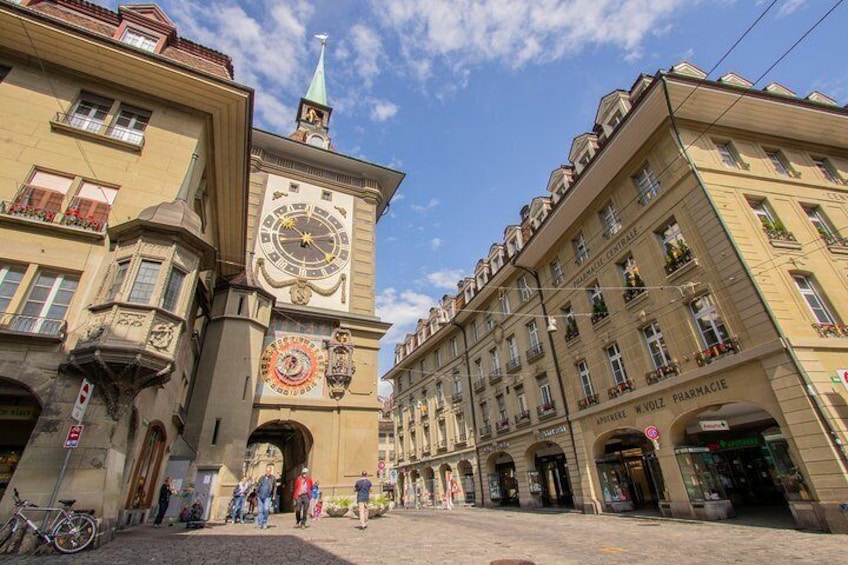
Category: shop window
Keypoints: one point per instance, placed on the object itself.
(146, 473)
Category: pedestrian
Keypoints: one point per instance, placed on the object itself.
(281, 487)
(363, 497)
(239, 495)
(265, 496)
(313, 499)
(165, 492)
(301, 495)
(251, 501)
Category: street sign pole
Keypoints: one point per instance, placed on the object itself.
(78, 412)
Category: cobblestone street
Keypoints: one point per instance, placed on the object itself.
(466, 536)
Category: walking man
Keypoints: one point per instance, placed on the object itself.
(265, 494)
(302, 494)
(363, 497)
(165, 492)
(239, 495)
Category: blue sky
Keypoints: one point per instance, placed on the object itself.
(478, 100)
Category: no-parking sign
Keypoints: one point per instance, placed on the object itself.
(652, 433)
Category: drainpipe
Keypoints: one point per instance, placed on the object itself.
(559, 379)
(473, 408)
(803, 377)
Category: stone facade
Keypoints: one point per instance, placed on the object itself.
(663, 331)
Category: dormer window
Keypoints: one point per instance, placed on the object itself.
(584, 160)
(615, 119)
(140, 39)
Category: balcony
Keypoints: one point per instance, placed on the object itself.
(621, 388)
(456, 398)
(96, 130)
(723, 349)
(831, 330)
(479, 384)
(495, 377)
(677, 256)
(588, 401)
(545, 410)
(534, 352)
(30, 326)
(69, 220)
(522, 419)
(486, 430)
(835, 243)
(662, 373)
(513, 364)
(502, 425)
(599, 312)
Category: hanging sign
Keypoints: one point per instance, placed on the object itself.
(714, 425)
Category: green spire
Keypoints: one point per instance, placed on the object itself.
(317, 88)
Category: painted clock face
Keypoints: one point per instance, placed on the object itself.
(292, 366)
(304, 240)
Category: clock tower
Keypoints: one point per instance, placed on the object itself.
(295, 367)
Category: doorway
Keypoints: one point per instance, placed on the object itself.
(19, 412)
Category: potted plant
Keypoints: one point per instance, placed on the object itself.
(337, 506)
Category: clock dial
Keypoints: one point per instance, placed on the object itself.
(292, 365)
(304, 240)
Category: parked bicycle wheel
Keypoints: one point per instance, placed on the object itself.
(74, 533)
(9, 531)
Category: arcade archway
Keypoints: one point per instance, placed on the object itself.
(19, 412)
(287, 446)
(502, 479)
(548, 476)
(466, 480)
(737, 452)
(629, 471)
(428, 493)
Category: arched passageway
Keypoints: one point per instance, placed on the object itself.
(19, 412)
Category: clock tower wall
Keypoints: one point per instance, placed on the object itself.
(364, 269)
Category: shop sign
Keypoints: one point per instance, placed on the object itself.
(610, 254)
(714, 425)
(18, 412)
(842, 375)
(493, 446)
(659, 402)
(734, 443)
(550, 432)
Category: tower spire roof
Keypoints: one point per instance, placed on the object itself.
(318, 88)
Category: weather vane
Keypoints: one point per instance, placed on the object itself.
(322, 37)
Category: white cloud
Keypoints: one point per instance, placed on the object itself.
(446, 278)
(435, 243)
(382, 110)
(430, 205)
(368, 50)
(789, 6)
(464, 33)
(403, 309)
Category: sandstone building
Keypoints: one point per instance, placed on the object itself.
(663, 331)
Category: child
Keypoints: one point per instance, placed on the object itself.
(319, 507)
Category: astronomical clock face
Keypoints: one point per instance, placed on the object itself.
(304, 240)
(292, 366)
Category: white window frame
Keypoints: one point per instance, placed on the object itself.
(610, 220)
(43, 321)
(827, 170)
(557, 275)
(710, 316)
(647, 185)
(9, 287)
(524, 289)
(533, 335)
(495, 361)
(545, 395)
(779, 162)
(819, 221)
(616, 363)
(657, 348)
(585, 378)
(140, 39)
(727, 154)
(818, 307)
(506, 308)
(512, 347)
(581, 251)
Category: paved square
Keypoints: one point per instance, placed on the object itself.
(467, 535)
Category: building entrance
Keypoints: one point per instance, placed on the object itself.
(503, 482)
(550, 478)
(630, 474)
(19, 411)
(287, 446)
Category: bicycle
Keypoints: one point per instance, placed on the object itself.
(69, 532)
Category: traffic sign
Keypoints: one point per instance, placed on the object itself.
(381, 465)
(83, 399)
(652, 433)
(74, 435)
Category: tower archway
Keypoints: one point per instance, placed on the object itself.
(285, 444)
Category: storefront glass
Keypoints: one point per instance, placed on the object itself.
(699, 474)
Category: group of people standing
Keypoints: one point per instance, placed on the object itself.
(268, 490)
